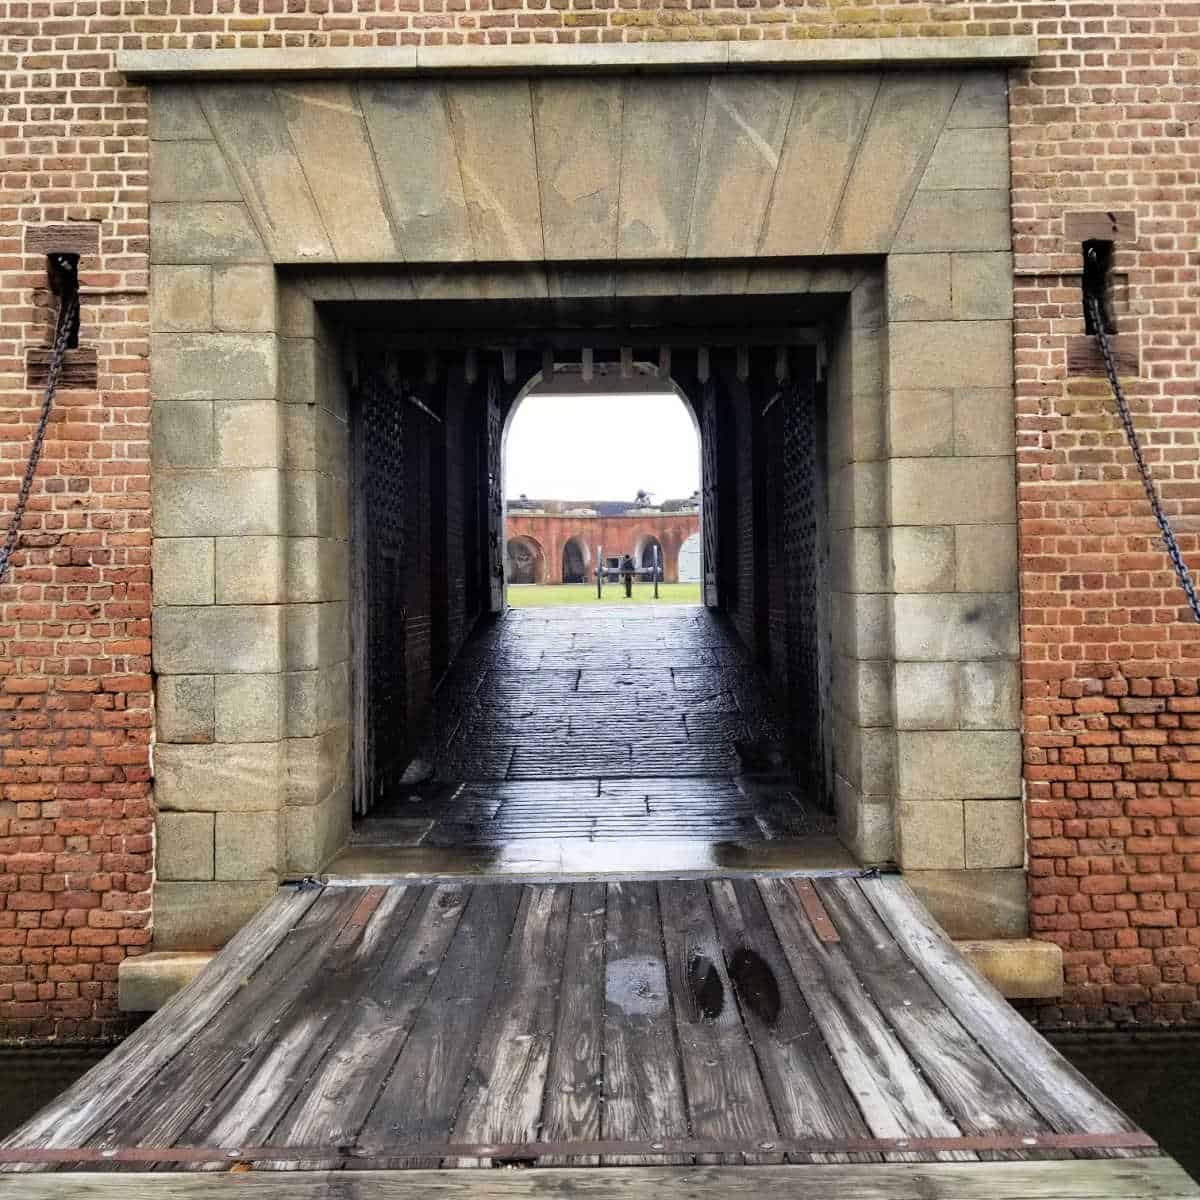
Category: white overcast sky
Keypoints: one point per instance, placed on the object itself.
(602, 448)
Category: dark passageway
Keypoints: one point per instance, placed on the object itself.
(591, 724)
(582, 731)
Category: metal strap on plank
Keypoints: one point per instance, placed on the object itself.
(529, 1151)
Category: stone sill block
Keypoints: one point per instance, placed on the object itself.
(145, 983)
(817, 53)
(1018, 968)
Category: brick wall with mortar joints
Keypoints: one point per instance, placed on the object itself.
(1106, 118)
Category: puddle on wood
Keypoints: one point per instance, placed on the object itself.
(756, 985)
(707, 989)
(637, 986)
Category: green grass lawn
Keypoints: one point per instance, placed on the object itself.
(530, 595)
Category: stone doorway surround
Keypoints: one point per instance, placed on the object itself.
(874, 172)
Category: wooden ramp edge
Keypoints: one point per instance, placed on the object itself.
(819, 1036)
(1095, 1179)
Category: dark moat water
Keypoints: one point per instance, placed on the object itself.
(1154, 1077)
(31, 1078)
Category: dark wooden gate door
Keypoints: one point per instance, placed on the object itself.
(710, 491)
(804, 586)
(379, 616)
(495, 509)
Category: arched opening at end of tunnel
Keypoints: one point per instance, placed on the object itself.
(492, 726)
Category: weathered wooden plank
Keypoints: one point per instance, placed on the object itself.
(575, 1082)
(265, 1085)
(85, 1106)
(1132, 1179)
(978, 1095)
(725, 1093)
(165, 1107)
(894, 1099)
(503, 1097)
(643, 1084)
(419, 1099)
(807, 1092)
(1049, 1082)
(337, 1099)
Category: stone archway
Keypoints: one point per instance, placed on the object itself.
(724, 181)
(526, 561)
(576, 560)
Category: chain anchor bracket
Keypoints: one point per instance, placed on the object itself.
(62, 271)
(1096, 262)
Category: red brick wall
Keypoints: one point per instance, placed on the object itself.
(1109, 118)
(615, 535)
(1106, 118)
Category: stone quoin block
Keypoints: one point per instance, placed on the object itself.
(215, 503)
(985, 558)
(990, 695)
(949, 491)
(927, 695)
(203, 916)
(930, 834)
(861, 626)
(984, 421)
(942, 765)
(920, 423)
(994, 833)
(247, 433)
(976, 219)
(249, 708)
(923, 558)
(184, 708)
(213, 366)
(968, 159)
(185, 845)
(858, 495)
(314, 832)
(918, 287)
(220, 777)
(176, 115)
(243, 299)
(949, 354)
(218, 640)
(181, 299)
(975, 904)
(204, 233)
(317, 635)
(249, 845)
(937, 628)
(191, 172)
(183, 571)
(182, 434)
(982, 286)
(250, 570)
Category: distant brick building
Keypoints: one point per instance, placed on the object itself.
(1017, 719)
(560, 541)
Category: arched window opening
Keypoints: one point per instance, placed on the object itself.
(647, 560)
(689, 559)
(526, 561)
(575, 562)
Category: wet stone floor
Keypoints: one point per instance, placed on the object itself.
(589, 725)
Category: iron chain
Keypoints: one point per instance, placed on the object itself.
(66, 318)
(1096, 312)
